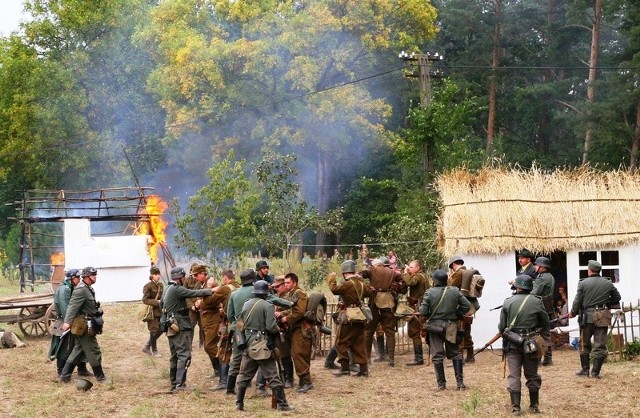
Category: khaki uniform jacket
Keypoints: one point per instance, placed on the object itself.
(299, 299)
(381, 277)
(82, 302)
(349, 289)
(151, 295)
(594, 291)
(418, 284)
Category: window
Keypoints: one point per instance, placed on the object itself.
(610, 261)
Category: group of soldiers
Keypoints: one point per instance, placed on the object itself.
(78, 321)
(259, 326)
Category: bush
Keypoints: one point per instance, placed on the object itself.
(632, 349)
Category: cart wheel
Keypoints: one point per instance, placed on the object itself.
(50, 318)
(32, 327)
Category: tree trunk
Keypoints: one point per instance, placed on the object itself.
(593, 64)
(635, 143)
(492, 85)
(322, 193)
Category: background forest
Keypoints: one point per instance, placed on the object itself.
(267, 123)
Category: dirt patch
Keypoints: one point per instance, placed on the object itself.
(136, 384)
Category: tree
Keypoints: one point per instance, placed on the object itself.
(286, 215)
(219, 217)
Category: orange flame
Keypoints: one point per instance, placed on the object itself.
(156, 226)
(57, 259)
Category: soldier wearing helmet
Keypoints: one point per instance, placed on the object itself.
(175, 305)
(523, 314)
(60, 347)
(82, 312)
(461, 277)
(350, 336)
(544, 285)
(259, 326)
(262, 272)
(442, 305)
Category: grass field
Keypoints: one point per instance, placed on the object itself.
(28, 387)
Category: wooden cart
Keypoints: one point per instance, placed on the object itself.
(34, 314)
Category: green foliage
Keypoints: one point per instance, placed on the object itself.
(316, 273)
(632, 349)
(286, 215)
(219, 217)
(471, 405)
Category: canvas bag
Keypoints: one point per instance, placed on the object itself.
(357, 314)
(259, 348)
(145, 313)
(602, 318)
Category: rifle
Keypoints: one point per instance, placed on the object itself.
(551, 322)
(488, 344)
(274, 400)
(497, 307)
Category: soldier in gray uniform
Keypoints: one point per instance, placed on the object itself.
(544, 285)
(260, 325)
(83, 308)
(523, 314)
(595, 296)
(175, 305)
(442, 305)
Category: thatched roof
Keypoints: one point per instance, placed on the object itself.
(501, 210)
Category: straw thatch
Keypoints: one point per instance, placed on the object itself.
(501, 210)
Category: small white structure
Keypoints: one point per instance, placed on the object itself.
(122, 261)
(570, 216)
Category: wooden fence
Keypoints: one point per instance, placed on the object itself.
(625, 327)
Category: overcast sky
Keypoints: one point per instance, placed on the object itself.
(10, 15)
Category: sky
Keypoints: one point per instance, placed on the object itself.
(10, 15)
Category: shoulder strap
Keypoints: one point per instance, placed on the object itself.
(360, 292)
(252, 307)
(519, 309)
(440, 301)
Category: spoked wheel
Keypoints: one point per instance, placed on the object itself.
(50, 318)
(31, 321)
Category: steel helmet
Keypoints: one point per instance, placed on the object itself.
(177, 273)
(543, 262)
(523, 281)
(261, 287)
(440, 276)
(261, 263)
(455, 259)
(83, 384)
(89, 271)
(72, 273)
(247, 276)
(385, 260)
(348, 266)
(154, 270)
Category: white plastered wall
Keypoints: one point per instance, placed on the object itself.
(122, 262)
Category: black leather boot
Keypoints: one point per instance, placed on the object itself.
(515, 402)
(330, 361)
(442, 381)
(548, 359)
(59, 366)
(97, 371)
(534, 400)
(470, 356)
(224, 375)
(67, 371)
(418, 355)
(281, 399)
(597, 365)
(344, 368)
(147, 348)
(457, 368)
(181, 377)
(231, 384)
(215, 364)
(364, 370)
(584, 362)
(240, 397)
(172, 377)
(82, 370)
(287, 366)
(380, 349)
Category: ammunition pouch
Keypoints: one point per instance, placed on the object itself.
(97, 323)
(79, 325)
(435, 329)
(513, 337)
(164, 322)
(240, 340)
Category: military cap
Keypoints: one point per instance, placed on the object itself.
(247, 276)
(543, 262)
(277, 281)
(455, 259)
(177, 273)
(523, 281)
(198, 268)
(154, 270)
(525, 253)
(593, 265)
(260, 264)
(348, 266)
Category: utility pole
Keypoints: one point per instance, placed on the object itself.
(424, 73)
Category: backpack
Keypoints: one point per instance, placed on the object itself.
(316, 308)
(472, 283)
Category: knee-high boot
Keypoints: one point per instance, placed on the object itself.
(287, 365)
(240, 397)
(584, 363)
(442, 381)
(231, 384)
(67, 371)
(534, 400)
(515, 402)
(457, 368)
(281, 399)
(380, 349)
(418, 354)
(330, 361)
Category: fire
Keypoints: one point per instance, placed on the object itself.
(57, 259)
(156, 226)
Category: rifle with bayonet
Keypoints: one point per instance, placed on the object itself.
(488, 344)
